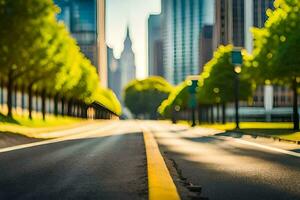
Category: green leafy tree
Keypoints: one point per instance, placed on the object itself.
(176, 101)
(143, 97)
(217, 82)
(39, 53)
(20, 23)
(276, 49)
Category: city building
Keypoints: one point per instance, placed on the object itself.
(233, 22)
(127, 62)
(114, 73)
(155, 47)
(182, 22)
(206, 45)
(235, 18)
(85, 20)
(229, 25)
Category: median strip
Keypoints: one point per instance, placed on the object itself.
(160, 183)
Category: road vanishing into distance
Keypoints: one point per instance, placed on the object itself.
(109, 161)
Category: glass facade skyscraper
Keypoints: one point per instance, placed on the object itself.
(259, 8)
(80, 17)
(182, 21)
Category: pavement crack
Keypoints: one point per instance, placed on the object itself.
(194, 191)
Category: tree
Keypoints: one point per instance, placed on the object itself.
(39, 53)
(276, 49)
(176, 101)
(20, 22)
(143, 97)
(217, 81)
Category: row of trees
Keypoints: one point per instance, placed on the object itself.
(39, 54)
(143, 97)
(275, 59)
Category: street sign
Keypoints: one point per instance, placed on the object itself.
(236, 56)
(192, 87)
(192, 103)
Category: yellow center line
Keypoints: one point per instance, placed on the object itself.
(160, 183)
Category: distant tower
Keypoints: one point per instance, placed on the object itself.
(113, 73)
(127, 62)
(155, 54)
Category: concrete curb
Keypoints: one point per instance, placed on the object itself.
(160, 182)
(265, 136)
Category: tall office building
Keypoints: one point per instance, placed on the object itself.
(229, 25)
(155, 57)
(234, 19)
(127, 62)
(206, 45)
(181, 27)
(114, 73)
(85, 20)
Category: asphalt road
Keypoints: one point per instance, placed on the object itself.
(230, 168)
(109, 162)
(110, 165)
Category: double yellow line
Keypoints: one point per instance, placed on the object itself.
(160, 183)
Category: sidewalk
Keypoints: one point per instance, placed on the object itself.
(24, 135)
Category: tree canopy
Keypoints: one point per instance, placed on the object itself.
(276, 46)
(217, 81)
(38, 52)
(143, 97)
(178, 97)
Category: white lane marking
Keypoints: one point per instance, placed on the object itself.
(69, 137)
(262, 146)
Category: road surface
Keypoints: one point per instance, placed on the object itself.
(109, 162)
(232, 168)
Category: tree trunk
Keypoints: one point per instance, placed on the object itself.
(15, 99)
(199, 114)
(9, 95)
(44, 104)
(1, 97)
(78, 108)
(84, 111)
(56, 105)
(30, 101)
(218, 113)
(22, 97)
(63, 106)
(295, 105)
(223, 113)
(205, 112)
(212, 114)
(70, 107)
(37, 101)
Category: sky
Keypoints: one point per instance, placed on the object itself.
(132, 13)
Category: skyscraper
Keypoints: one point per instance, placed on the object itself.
(114, 73)
(127, 62)
(255, 16)
(229, 25)
(206, 42)
(181, 27)
(155, 57)
(85, 21)
(234, 18)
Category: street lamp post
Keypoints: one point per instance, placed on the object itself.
(193, 83)
(237, 70)
(237, 61)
